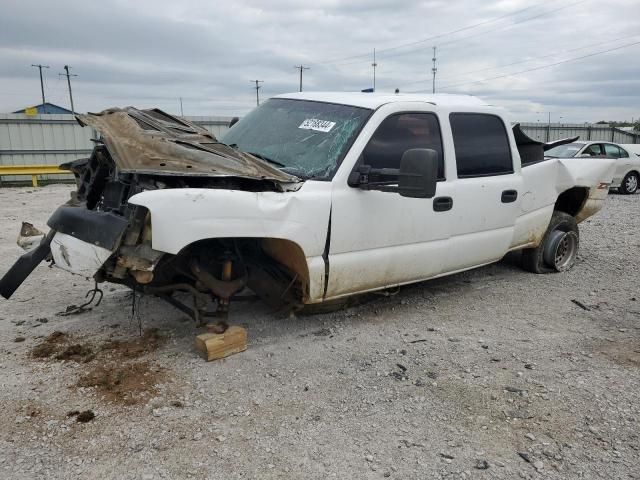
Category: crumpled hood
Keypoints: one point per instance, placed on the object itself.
(154, 142)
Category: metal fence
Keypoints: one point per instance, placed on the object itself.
(56, 139)
(556, 131)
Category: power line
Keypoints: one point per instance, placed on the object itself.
(497, 67)
(539, 67)
(468, 27)
(486, 32)
(517, 22)
(40, 67)
(301, 68)
(69, 75)
(257, 87)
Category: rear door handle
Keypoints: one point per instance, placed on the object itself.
(442, 204)
(509, 196)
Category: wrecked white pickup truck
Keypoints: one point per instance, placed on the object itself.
(313, 197)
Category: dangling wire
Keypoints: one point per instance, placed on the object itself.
(135, 310)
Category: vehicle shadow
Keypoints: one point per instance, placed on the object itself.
(267, 325)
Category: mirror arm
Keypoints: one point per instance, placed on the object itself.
(360, 178)
(416, 177)
(381, 186)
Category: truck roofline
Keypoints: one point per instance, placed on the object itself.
(376, 100)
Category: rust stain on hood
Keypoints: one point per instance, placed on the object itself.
(154, 142)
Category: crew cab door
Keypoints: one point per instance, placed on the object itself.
(623, 162)
(381, 239)
(487, 190)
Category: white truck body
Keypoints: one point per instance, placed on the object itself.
(338, 240)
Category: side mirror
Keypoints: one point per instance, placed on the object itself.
(418, 174)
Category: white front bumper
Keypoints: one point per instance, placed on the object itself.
(76, 256)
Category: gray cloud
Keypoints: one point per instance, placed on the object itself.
(150, 53)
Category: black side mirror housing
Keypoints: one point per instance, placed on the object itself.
(233, 121)
(418, 175)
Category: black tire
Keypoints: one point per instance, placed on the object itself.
(629, 184)
(562, 230)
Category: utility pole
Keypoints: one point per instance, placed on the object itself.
(301, 68)
(549, 129)
(374, 65)
(434, 70)
(68, 75)
(257, 87)
(40, 67)
(181, 112)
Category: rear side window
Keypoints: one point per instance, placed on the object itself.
(399, 133)
(624, 153)
(481, 144)
(611, 150)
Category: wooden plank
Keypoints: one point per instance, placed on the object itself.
(213, 346)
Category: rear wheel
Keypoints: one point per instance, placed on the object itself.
(559, 247)
(629, 183)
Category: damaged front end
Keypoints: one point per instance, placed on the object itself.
(99, 234)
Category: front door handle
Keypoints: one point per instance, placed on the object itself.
(509, 196)
(442, 204)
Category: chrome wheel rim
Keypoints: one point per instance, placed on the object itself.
(561, 251)
(631, 184)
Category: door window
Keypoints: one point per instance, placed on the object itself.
(624, 153)
(594, 150)
(399, 133)
(611, 150)
(481, 144)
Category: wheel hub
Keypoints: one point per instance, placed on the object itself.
(631, 183)
(561, 250)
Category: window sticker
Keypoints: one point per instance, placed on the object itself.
(317, 125)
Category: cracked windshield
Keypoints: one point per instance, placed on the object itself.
(303, 138)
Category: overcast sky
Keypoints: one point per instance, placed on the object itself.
(149, 52)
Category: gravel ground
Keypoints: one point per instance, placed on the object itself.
(494, 373)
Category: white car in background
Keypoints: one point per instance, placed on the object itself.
(627, 173)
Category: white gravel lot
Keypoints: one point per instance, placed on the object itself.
(490, 374)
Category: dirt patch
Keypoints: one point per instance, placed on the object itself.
(116, 378)
(127, 384)
(58, 345)
(86, 416)
(82, 417)
(150, 341)
(625, 353)
(50, 345)
(76, 352)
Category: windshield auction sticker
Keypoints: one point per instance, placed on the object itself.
(317, 125)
